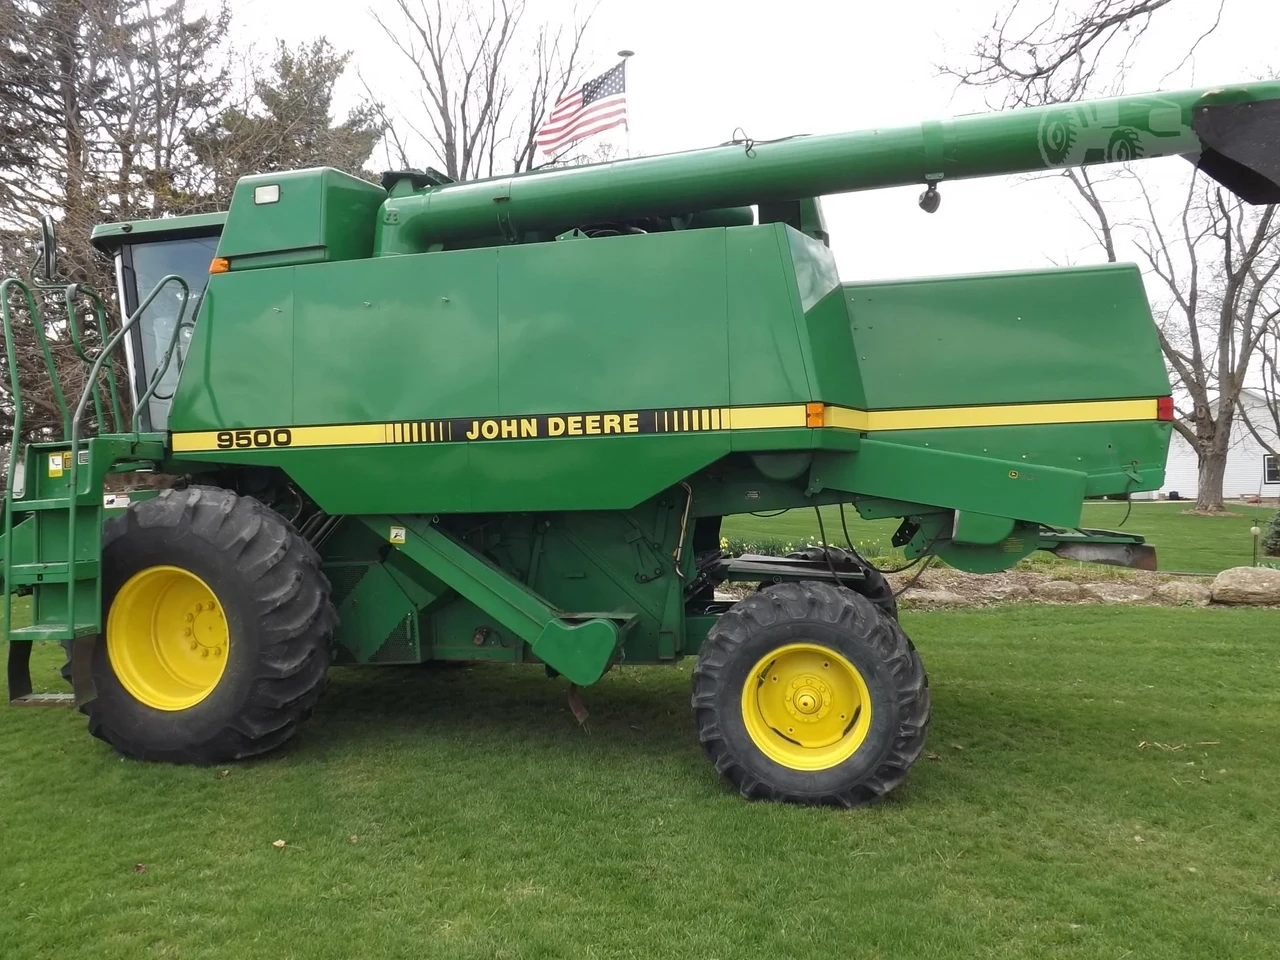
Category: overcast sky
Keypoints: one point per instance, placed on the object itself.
(704, 67)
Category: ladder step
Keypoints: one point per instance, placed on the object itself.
(54, 503)
(40, 573)
(53, 631)
(45, 700)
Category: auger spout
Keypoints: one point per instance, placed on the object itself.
(1231, 131)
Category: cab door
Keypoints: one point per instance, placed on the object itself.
(140, 265)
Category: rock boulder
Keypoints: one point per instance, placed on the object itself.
(932, 598)
(1247, 585)
(1185, 591)
(1115, 591)
(1059, 590)
(1009, 591)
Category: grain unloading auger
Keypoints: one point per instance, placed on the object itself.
(502, 420)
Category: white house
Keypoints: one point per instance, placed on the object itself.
(1251, 470)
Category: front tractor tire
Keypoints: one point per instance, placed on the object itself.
(217, 629)
(807, 693)
(875, 586)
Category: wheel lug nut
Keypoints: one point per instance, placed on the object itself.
(190, 617)
(194, 645)
(204, 653)
(186, 632)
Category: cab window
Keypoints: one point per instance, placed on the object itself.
(141, 267)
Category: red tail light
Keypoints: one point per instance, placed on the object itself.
(1164, 408)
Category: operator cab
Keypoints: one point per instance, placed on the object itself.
(144, 253)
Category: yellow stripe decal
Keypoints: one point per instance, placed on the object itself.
(1005, 415)
(763, 418)
(343, 435)
(622, 423)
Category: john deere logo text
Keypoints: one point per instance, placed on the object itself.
(617, 423)
(584, 425)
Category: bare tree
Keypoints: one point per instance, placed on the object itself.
(1218, 266)
(1264, 423)
(1214, 263)
(1215, 267)
(1051, 51)
(484, 80)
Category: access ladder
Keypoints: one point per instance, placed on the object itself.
(54, 508)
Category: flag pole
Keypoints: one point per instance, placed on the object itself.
(626, 124)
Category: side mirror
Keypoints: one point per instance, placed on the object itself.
(48, 248)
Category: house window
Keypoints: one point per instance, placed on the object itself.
(1270, 469)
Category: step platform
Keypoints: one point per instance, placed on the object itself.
(45, 700)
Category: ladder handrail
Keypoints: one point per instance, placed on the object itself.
(103, 354)
(70, 292)
(37, 325)
(15, 436)
(164, 366)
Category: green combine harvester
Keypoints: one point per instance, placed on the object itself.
(502, 420)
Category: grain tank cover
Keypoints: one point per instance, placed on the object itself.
(300, 216)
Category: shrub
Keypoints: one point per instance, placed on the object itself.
(1271, 536)
(765, 546)
(872, 550)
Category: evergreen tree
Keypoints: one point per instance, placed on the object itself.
(287, 124)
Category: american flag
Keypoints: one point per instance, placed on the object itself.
(596, 106)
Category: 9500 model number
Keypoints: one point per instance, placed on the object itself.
(247, 439)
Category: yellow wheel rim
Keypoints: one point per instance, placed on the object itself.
(806, 707)
(167, 638)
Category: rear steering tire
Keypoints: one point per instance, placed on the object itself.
(217, 630)
(807, 693)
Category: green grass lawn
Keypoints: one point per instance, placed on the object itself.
(463, 814)
(1185, 543)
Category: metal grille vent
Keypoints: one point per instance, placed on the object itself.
(343, 580)
(399, 646)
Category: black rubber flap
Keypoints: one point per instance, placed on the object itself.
(1242, 147)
